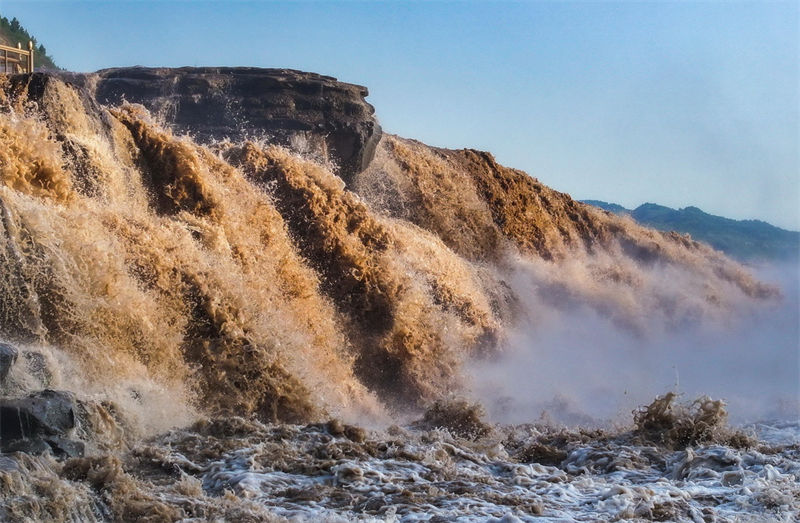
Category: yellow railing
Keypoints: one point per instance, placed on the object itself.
(16, 59)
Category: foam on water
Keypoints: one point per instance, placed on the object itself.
(315, 472)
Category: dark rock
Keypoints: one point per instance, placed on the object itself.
(63, 447)
(39, 423)
(28, 446)
(8, 356)
(543, 454)
(301, 110)
(60, 447)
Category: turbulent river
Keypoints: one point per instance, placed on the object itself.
(236, 470)
(236, 331)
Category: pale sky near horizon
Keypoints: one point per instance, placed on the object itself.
(677, 103)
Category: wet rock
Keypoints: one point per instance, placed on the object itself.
(60, 447)
(8, 356)
(542, 454)
(38, 423)
(46, 412)
(28, 446)
(64, 447)
(306, 111)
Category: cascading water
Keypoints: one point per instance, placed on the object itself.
(200, 301)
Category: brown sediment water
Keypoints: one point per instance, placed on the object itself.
(256, 282)
(164, 282)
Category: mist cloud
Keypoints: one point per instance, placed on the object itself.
(575, 362)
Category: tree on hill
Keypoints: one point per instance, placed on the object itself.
(12, 32)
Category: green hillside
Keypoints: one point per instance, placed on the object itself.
(12, 33)
(745, 240)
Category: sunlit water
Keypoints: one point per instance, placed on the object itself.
(162, 281)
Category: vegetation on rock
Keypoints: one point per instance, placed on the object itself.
(12, 33)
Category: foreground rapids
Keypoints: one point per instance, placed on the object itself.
(237, 470)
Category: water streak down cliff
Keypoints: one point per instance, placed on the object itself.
(307, 111)
(333, 276)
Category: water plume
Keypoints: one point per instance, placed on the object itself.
(591, 356)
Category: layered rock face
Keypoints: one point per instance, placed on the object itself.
(305, 111)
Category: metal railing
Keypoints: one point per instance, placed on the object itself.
(16, 60)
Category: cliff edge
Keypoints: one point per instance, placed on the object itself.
(307, 112)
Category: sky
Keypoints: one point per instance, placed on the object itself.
(677, 103)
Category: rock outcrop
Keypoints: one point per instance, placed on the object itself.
(38, 423)
(305, 111)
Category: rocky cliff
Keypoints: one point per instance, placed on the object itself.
(305, 111)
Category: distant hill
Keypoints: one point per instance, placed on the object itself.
(745, 240)
(610, 207)
(12, 33)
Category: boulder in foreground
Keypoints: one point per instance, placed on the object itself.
(38, 423)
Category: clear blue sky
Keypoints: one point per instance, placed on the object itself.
(678, 103)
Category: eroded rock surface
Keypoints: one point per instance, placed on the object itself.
(306, 111)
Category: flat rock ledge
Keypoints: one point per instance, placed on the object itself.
(307, 112)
